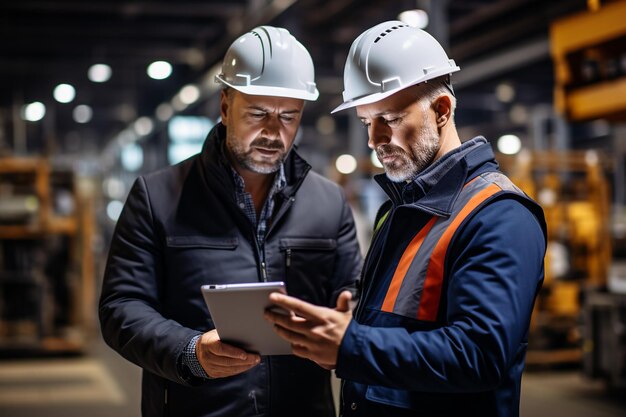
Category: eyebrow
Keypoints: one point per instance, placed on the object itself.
(383, 113)
(263, 109)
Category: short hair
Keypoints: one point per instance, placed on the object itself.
(437, 87)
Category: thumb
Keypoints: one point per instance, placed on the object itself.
(343, 301)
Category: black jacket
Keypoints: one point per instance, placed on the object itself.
(180, 229)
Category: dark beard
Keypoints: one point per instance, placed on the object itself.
(245, 159)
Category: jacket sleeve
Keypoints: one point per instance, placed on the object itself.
(349, 260)
(130, 311)
(496, 270)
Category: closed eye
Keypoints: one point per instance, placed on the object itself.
(393, 121)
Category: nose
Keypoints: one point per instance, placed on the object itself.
(379, 133)
(271, 128)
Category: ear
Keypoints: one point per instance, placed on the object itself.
(224, 103)
(443, 110)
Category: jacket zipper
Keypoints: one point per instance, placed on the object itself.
(341, 397)
(165, 403)
(288, 257)
(261, 250)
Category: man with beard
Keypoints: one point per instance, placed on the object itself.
(456, 261)
(246, 209)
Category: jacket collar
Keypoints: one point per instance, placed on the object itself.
(436, 188)
(212, 159)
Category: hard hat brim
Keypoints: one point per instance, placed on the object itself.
(373, 98)
(259, 90)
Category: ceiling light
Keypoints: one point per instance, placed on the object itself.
(34, 111)
(178, 104)
(592, 158)
(189, 94)
(99, 73)
(64, 93)
(164, 112)
(509, 144)
(416, 18)
(143, 126)
(132, 157)
(325, 125)
(114, 187)
(82, 113)
(159, 70)
(505, 92)
(519, 114)
(346, 164)
(114, 209)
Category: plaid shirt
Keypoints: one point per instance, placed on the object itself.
(245, 203)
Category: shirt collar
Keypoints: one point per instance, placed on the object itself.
(280, 180)
(435, 188)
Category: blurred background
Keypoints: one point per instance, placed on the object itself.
(95, 93)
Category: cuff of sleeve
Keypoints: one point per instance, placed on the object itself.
(350, 357)
(190, 360)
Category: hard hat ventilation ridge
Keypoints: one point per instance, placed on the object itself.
(391, 29)
(269, 39)
(269, 61)
(262, 49)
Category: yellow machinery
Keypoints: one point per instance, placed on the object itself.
(573, 191)
(589, 55)
(590, 62)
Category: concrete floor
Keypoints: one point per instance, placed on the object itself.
(102, 384)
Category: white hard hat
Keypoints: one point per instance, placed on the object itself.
(269, 61)
(389, 57)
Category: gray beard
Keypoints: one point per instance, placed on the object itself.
(410, 164)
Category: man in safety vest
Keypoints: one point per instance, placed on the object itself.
(456, 261)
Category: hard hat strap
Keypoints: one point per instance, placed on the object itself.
(448, 83)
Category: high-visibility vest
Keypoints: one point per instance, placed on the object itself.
(416, 287)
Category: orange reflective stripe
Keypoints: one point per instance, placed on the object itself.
(429, 302)
(403, 266)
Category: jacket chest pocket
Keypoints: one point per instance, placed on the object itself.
(309, 264)
(202, 259)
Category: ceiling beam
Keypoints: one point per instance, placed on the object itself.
(502, 62)
(221, 9)
(36, 32)
(483, 14)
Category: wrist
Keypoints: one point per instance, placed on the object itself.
(190, 359)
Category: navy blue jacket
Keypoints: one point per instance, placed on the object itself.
(181, 228)
(469, 359)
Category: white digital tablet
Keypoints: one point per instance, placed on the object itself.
(237, 312)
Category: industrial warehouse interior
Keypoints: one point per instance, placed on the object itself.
(94, 94)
